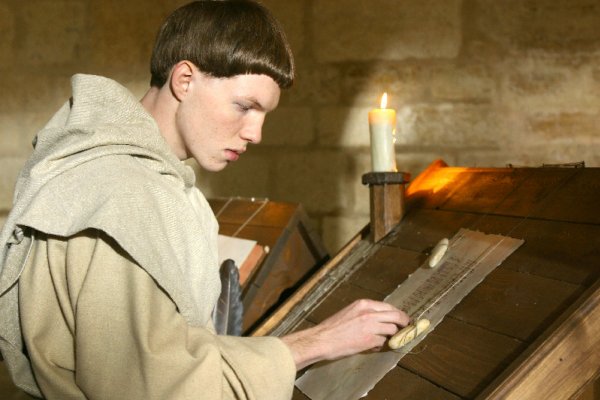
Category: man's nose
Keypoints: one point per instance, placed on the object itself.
(253, 132)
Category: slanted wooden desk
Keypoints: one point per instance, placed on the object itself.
(530, 330)
(295, 249)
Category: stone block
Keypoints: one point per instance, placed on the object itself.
(291, 15)
(596, 74)
(360, 30)
(495, 158)
(447, 124)
(536, 81)
(554, 25)
(560, 153)
(123, 35)
(17, 131)
(566, 127)
(343, 126)
(337, 231)
(550, 84)
(361, 205)
(461, 83)
(55, 33)
(289, 126)
(314, 84)
(364, 83)
(10, 167)
(35, 93)
(534, 155)
(319, 179)
(7, 33)
(247, 177)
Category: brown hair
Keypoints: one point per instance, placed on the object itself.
(223, 38)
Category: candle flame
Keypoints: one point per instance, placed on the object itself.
(384, 100)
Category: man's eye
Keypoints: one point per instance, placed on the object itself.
(244, 107)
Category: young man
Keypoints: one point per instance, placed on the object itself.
(109, 274)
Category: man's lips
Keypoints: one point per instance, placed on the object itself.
(233, 155)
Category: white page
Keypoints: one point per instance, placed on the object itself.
(234, 248)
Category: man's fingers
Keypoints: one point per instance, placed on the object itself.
(386, 310)
(394, 316)
(388, 329)
(374, 305)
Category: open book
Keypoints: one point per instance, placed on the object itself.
(247, 254)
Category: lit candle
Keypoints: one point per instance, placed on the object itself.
(382, 125)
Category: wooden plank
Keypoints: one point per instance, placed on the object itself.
(561, 362)
(276, 214)
(516, 192)
(482, 191)
(235, 210)
(565, 251)
(516, 304)
(571, 251)
(239, 211)
(461, 358)
(418, 191)
(577, 200)
(421, 230)
(437, 190)
(288, 267)
(217, 204)
(590, 392)
(293, 249)
(554, 249)
(434, 186)
(344, 294)
(278, 316)
(386, 269)
(400, 384)
(271, 217)
(535, 190)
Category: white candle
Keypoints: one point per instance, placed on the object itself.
(382, 126)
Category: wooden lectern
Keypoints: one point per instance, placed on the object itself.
(530, 330)
(294, 249)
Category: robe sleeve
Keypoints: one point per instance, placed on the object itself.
(95, 320)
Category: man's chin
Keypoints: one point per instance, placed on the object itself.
(213, 167)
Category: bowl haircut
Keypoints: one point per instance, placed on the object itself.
(223, 38)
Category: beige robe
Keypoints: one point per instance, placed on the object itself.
(125, 312)
(97, 326)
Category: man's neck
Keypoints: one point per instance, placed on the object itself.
(162, 105)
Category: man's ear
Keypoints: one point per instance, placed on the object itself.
(181, 78)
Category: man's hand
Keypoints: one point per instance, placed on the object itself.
(363, 325)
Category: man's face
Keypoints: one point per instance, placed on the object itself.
(219, 116)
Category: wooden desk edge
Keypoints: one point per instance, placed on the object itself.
(562, 362)
(270, 323)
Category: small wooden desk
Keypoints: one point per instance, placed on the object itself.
(295, 249)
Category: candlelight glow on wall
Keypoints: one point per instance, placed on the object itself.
(382, 127)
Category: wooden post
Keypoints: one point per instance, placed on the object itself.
(387, 200)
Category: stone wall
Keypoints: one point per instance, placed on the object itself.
(475, 82)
